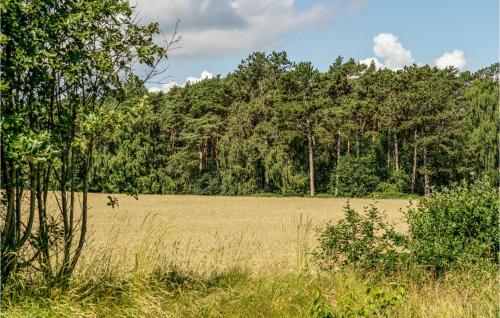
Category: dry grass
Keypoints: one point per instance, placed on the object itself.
(194, 256)
(215, 233)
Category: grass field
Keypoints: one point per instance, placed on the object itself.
(195, 256)
(202, 232)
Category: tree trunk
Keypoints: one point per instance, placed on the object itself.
(357, 145)
(205, 155)
(388, 156)
(200, 165)
(396, 152)
(337, 169)
(426, 174)
(414, 170)
(311, 156)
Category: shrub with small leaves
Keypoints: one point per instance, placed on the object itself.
(365, 241)
(458, 225)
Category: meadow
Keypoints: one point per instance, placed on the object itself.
(217, 233)
(202, 256)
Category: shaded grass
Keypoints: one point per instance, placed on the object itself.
(170, 292)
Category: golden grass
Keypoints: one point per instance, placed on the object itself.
(215, 233)
(195, 256)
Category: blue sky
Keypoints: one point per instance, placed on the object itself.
(218, 34)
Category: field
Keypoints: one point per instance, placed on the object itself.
(196, 256)
(202, 232)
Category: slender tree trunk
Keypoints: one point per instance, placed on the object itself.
(200, 156)
(337, 169)
(374, 132)
(19, 200)
(396, 152)
(216, 155)
(388, 156)
(426, 174)
(311, 156)
(348, 146)
(357, 145)
(42, 223)
(205, 152)
(31, 215)
(414, 170)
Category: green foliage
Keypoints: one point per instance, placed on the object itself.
(274, 126)
(208, 184)
(457, 225)
(320, 308)
(357, 176)
(365, 241)
(395, 186)
(376, 302)
(65, 70)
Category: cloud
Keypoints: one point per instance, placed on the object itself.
(164, 88)
(455, 59)
(195, 14)
(190, 79)
(368, 61)
(214, 27)
(387, 47)
(204, 75)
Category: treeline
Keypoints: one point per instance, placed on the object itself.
(275, 126)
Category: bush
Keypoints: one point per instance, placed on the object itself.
(454, 227)
(207, 183)
(357, 176)
(365, 241)
(457, 225)
(395, 186)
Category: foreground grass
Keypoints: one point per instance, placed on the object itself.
(236, 293)
(183, 256)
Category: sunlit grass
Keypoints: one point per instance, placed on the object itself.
(190, 256)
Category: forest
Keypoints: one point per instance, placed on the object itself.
(281, 127)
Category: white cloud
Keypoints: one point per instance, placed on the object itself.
(164, 88)
(190, 79)
(455, 59)
(204, 75)
(212, 27)
(368, 61)
(387, 47)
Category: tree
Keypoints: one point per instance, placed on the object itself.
(299, 91)
(276, 126)
(62, 60)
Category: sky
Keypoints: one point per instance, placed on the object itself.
(217, 34)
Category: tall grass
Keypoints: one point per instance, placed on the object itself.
(153, 276)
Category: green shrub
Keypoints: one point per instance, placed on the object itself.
(365, 241)
(395, 186)
(357, 176)
(376, 302)
(453, 227)
(458, 225)
(207, 184)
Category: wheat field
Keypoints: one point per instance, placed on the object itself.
(216, 233)
(201, 256)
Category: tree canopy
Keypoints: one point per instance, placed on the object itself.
(276, 126)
